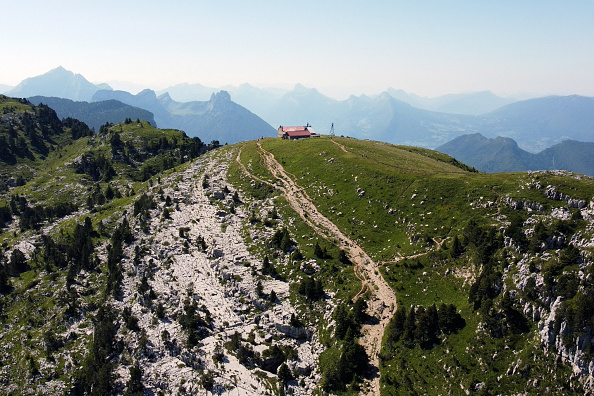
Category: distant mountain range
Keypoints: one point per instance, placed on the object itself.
(542, 122)
(472, 103)
(379, 117)
(257, 99)
(393, 116)
(502, 154)
(535, 123)
(216, 119)
(94, 114)
(58, 82)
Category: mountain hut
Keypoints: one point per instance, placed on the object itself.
(297, 132)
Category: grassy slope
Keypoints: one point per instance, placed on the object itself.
(339, 279)
(15, 106)
(447, 197)
(55, 179)
(389, 176)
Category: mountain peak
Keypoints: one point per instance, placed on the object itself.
(147, 93)
(383, 96)
(57, 82)
(396, 91)
(59, 69)
(165, 97)
(301, 88)
(61, 72)
(503, 140)
(104, 86)
(220, 97)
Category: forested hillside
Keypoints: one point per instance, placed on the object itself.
(503, 155)
(94, 114)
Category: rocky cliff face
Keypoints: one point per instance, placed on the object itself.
(557, 333)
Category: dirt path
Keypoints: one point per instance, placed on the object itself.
(339, 145)
(382, 303)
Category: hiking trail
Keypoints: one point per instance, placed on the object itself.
(382, 302)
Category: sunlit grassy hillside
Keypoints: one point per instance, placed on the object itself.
(397, 202)
(411, 195)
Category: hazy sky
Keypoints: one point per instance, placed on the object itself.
(340, 47)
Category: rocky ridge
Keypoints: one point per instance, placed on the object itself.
(222, 282)
(551, 328)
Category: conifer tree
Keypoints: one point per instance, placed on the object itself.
(457, 248)
(272, 297)
(134, 385)
(284, 374)
(396, 325)
(409, 328)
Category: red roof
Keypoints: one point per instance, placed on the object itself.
(298, 133)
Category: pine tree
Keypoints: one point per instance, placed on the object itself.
(457, 248)
(409, 328)
(272, 297)
(284, 374)
(359, 310)
(286, 243)
(342, 320)
(353, 359)
(297, 255)
(134, 385)
(295, 322)
(343, 258)
(396, 326)
(18, 263)
(266, 266)
(5, 285)
(427, 329)
(318, 252)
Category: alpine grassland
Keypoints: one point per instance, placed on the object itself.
(336, 276)
(409, 208)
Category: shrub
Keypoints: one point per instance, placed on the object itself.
(310, 288)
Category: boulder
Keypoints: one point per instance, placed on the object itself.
(302, 368)
(297, 333)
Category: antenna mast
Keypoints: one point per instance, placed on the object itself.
(332, 130)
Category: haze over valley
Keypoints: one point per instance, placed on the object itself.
(392, 116)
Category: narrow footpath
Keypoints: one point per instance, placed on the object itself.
(382, 303)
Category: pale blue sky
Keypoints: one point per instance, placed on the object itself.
(340, 47)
